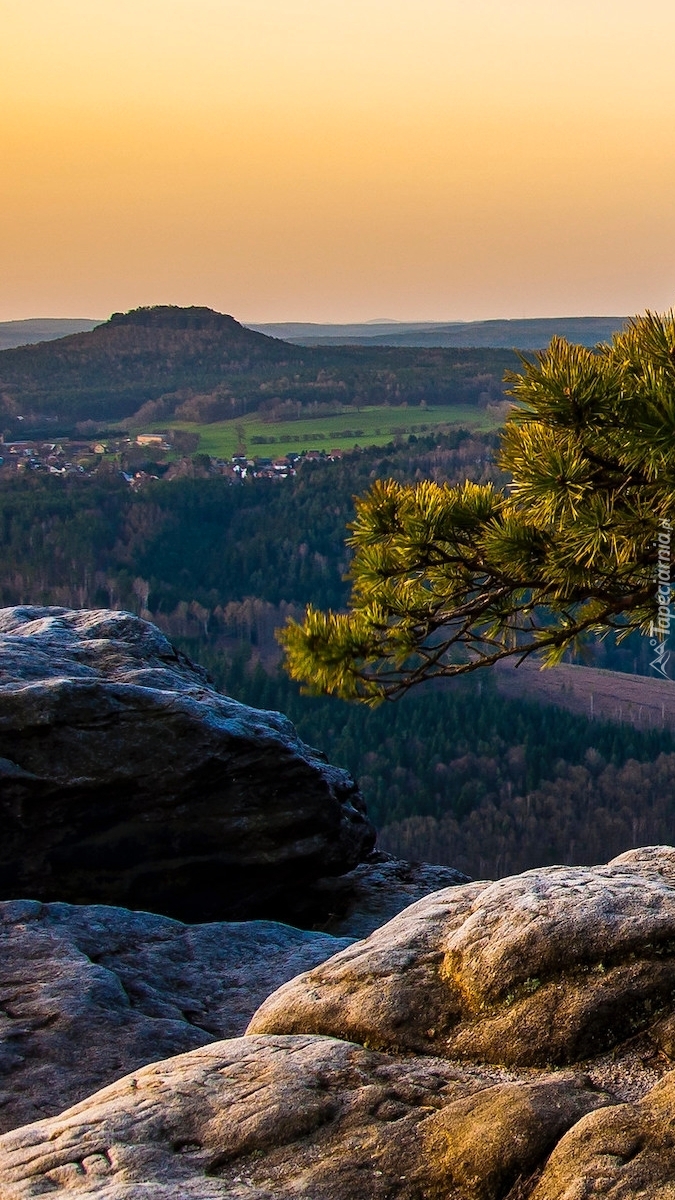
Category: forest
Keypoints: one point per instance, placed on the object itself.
(205, 542)
(199, 365)
(458, 774)
(455, 773)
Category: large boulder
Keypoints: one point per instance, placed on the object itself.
(127, 779)
(282, 1118)
(88, 993)
(549, 967)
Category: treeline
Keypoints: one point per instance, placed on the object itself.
(587, 814)
(198, 365)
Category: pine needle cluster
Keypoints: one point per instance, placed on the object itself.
(446, 580)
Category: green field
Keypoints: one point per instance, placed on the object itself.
(367, 427)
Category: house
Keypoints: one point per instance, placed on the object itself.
(152, 439)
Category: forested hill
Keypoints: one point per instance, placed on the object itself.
(197, 364)
(109, 372)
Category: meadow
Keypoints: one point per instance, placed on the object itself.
(375, 426)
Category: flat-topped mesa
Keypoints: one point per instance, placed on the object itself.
(127, 778)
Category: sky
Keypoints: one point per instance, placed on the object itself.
(337, 160)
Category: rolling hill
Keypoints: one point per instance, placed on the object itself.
(41, 329)
(195, 364)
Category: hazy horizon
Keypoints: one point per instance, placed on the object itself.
(314, 321)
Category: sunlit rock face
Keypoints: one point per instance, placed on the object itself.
(277, 1118)
(626, 1153)
(126, 778)
(495, 1041)
(548, 967)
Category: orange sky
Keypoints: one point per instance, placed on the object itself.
(337, 159)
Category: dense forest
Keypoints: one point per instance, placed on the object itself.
(204, 542)
(199, 365)
(457, 774)
(206, 557)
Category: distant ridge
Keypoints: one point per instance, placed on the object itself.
(522, 333)
(42, 329)
(195, 364)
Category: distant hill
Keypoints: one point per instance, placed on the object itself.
(525, 334)
(154, 364)
(41, 329)
(132, 359)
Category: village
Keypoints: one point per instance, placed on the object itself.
(148, 456)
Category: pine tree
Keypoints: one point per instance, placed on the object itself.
(447, 579)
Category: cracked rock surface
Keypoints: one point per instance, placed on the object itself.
(88, 993)
(548, 967)
(127, 779)
(270, 1118)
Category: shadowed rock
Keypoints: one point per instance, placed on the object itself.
(551, 966)
(89, 993)
(287, 1117)
(126, 778)
(377, 890)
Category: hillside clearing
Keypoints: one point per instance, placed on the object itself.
(366, 427)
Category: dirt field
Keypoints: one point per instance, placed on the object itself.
(606, 695)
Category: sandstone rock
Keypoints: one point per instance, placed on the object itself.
(548, 967)
(377, 890)
(286, 1117)
(624, 1153)
(126, 778)
(483, 1143)
(89, 993)
(386, 992)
